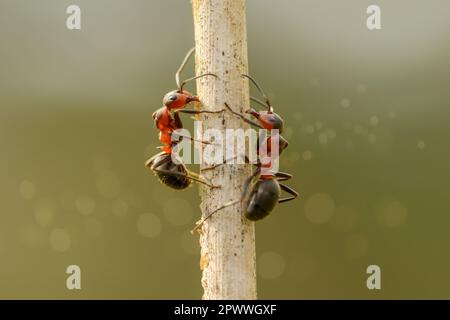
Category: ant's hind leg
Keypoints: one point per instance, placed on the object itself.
(244, 192)
(191, 111)
(290, 191)
(149, 162)
(200, 179)
(283, 176)
(200, 223)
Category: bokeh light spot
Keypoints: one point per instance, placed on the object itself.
(392, 115)
(149, 225)
(309, 129)
(361, 88)
(319, 208)
(85, 205)
(421, 144)
(27, 190)
(345, 103)
(119, 208)
(392, 214)
(271, 265)
(43, 212)
(374, 121)
(331, 134)
(60, 240)
(307, 155)
(323, 138)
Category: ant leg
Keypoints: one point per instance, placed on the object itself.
(200, 223)
(179, 125)
(283, 176)
(192, 139)
(249, 121)
(191, 111)
(196, 177)
(190, 175)
(244, 191)
(248, 180)
(211, 168)
(156, 165)
(290, 191)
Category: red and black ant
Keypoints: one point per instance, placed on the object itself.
(266, 192)
(167, 119)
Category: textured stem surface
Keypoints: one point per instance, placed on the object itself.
(227, 239)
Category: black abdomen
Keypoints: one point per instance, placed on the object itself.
(263, 199)
(171, 174)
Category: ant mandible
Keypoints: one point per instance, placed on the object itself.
(167, 120)
(266, 192)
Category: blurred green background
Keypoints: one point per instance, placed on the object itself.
(367, 117)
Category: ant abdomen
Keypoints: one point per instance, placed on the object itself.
(263, 199)
(172, 175)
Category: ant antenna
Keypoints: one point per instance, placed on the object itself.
(258, 101)
(267, 102)
(183, 64)
(180, 69)
(193, 78)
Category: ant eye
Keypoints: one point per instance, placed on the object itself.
(173, 97)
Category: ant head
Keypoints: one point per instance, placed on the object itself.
(269, 120)
(177, 99)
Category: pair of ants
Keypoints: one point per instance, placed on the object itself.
(264, 194)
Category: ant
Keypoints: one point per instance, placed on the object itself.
(167, 120)
(266, 192)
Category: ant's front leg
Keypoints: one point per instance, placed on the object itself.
(196, 112)
(249, 121)
(283, 176)
(189, 175)
(179, 125)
